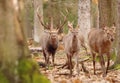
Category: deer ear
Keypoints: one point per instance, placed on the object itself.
(105, 28)
(113, 28)
(70, 26)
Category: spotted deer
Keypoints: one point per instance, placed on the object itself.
(100, 41)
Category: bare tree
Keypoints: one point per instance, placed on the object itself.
(107, 11)
(38, 28)
(29, 18)
(94, 14)
(14, 55)
(12, 39)
(118, 34)
(84, 17)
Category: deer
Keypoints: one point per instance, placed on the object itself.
(49, 40)
(72, 46)
(100, 41)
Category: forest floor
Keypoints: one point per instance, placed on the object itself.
(61, 75)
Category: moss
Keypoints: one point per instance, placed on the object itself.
(39, 78)
(117, 66)
(3, 78)
(29, 73)
(113, 55)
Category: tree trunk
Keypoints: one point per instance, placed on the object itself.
(15, 64)
(107, 14)
(29, 17)
(38, 28)
(118, 33)
(12, 40)
(84, 17)
(94, 14)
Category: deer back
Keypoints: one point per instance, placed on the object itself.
(100, 40)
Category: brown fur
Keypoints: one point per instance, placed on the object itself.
(71, 45)
(49, 40)
(100, 41)
(49, 43)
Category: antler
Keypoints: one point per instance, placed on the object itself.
(70, 25)
(65, 20)
(40, 19)
(51, 24)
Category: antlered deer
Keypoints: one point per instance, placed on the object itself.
(72, 46)
(100, 41)
(49, 39)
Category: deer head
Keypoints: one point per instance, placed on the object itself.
(51, 30)
(74, 31)
(110, 32)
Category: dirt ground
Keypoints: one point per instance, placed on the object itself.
(61, 75)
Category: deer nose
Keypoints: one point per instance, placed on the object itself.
(112, 39)
(53, 36)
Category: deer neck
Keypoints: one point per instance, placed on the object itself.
(107, 42)
(74, 42)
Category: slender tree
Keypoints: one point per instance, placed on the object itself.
(107, 11)
(84, 17)
(118, 34)
(38, 29)
(94, 14)
(15, 63)
(12, 44)
(29, 18)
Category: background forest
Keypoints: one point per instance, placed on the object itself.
(21, 59)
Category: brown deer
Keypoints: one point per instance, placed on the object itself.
(72, 46)
(49, 39)
(100, 41)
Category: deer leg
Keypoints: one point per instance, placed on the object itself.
(70, 63)
(83, 67)
(47, 59)
(76, 67)
(53, 56)
(44, 54)
(102, 65)
(93, 55)
(108, 62)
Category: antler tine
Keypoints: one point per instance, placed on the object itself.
(51, 25)
(70, 25)
(40, 19)
(77, 26)
(67, 10)
(65, 20)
